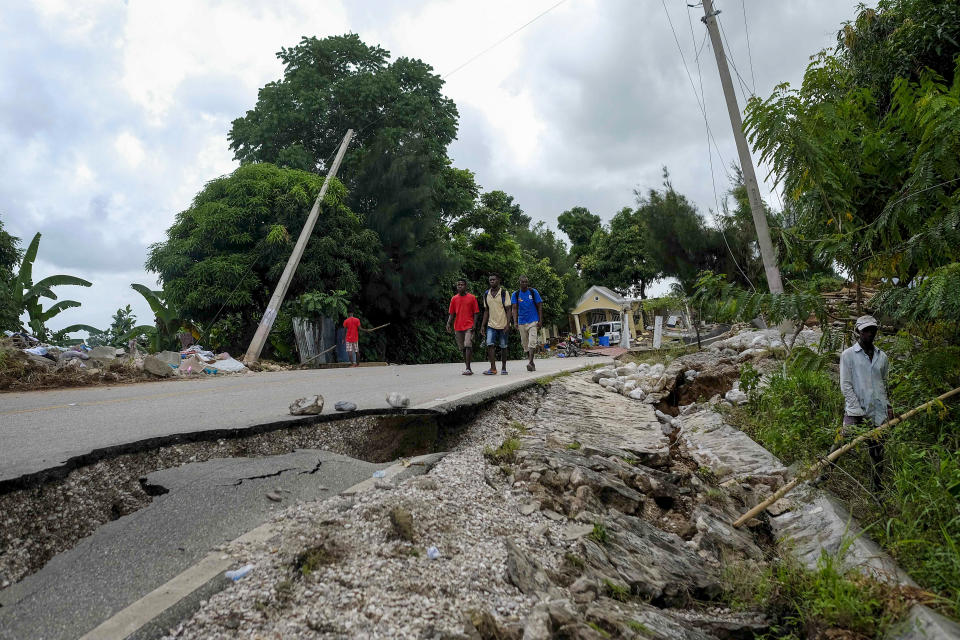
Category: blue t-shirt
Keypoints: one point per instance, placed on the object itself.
(527, 309)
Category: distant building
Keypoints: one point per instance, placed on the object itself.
(600, 304)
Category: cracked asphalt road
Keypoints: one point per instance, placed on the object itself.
(43, 429)
(206, 504)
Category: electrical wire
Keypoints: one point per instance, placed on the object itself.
(503, 39)
(713, 180)
(746, 30)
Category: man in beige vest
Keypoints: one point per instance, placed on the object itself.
(496, 324)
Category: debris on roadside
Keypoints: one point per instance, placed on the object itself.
(397, 400)
(311, 405)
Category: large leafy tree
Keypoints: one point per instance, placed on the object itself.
(867, 147)
(336, 83)
(678, 243)
(10, 254)
(402, 212)
(579, 225)
(225, 253)
(618, 256)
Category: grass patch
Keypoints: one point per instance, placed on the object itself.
(519, 427)
(546, 380)
(603, 632)
(639, 627)
(574, 445)
(617, 591)
(506, 452)
(716, 496)
(913, 514)
(314, 558)
(599, 533)
(574, 561)
(806, 603)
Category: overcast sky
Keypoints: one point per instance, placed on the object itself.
(114, 114)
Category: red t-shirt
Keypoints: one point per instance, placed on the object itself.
(353, 329)
(464, 307)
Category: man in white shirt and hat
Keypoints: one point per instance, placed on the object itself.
(864, 368)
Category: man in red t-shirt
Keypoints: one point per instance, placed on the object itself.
(464, 311)
(353, 327)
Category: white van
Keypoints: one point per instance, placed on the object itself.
(610, 329)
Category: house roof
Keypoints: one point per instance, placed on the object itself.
(610, 294)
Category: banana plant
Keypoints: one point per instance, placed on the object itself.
(27, 294)
(167, 321)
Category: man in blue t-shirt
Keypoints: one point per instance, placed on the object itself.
(528, 316)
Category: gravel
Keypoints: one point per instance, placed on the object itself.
(377, 585)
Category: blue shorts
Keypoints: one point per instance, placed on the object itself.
(496, 337)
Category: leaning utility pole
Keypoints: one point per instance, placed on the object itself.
(260, 337)
(746, 162)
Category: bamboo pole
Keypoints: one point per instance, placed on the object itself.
(816, 468)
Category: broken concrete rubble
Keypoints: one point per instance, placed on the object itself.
(311, 405)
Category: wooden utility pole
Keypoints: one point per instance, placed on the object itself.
(746, 162)
(260, 337)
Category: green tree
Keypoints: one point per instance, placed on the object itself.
(225, 253)
(579, 225)
(27, 296)
(336, 83)
(117, 334)
(401, 211)
(10, 254)
(678, 242)
(866, 148)
(617, 257)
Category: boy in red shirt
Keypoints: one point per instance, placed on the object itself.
(352, 325)
(464, 311)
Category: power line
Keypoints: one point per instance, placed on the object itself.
(503, 39)
(713, 179)
(701, 102)
(746, 30)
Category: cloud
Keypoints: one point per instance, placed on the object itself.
(114, 115)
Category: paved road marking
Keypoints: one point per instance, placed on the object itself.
(127, 621)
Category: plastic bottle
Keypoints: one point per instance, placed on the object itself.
(433, 553)
(236, 574)
(379, 473)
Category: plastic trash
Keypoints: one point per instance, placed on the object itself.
(236, 574)
(379, 473)
(433, 553)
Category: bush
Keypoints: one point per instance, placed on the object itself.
(797, 416)
(914, 515)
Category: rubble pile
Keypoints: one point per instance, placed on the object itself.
(28, 363)
(842, 305)
(582, 520)
(709, 376)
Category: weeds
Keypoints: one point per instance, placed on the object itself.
(639, 627)
(913, 515)
(599, 533)
(574, 561)
(313, 558)
(504, 453)
(617, 591)
(603, 632)
(574, 445)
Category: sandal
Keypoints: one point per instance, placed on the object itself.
(490, 372)
(467, 372)
(504, 372)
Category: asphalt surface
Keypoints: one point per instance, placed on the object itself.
(41, 430)
(207, 504)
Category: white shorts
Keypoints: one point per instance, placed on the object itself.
(353, 347)
(529, 336)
